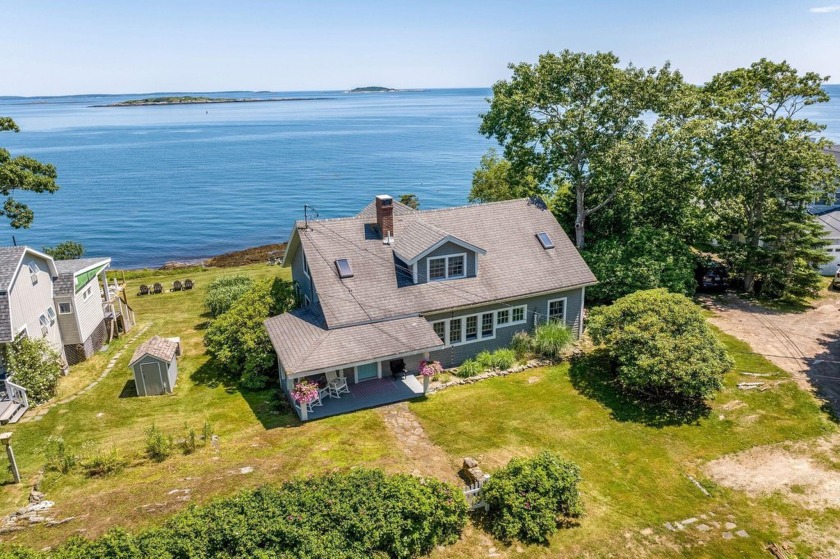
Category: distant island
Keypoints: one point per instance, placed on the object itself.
(379, 89)
(191, 100)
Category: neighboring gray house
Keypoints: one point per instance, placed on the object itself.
(392, 286)
(155, 366)
(830, 220)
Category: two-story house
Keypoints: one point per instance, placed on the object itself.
(391, 286)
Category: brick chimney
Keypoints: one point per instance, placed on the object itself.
(385, 215)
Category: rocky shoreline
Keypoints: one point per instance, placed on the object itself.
(270, 254)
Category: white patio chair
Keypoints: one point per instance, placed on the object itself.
(337, 385)
(326, 391)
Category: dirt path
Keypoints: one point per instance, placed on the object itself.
(427, 458)
(806, 344)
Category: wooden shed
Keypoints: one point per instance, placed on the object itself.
(155, 366)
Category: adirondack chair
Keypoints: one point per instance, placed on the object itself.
(176, 285)
(188, 284)
(157, 289)
(144, 290)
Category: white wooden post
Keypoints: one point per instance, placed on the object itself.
(425, 384)
(304, 411)
(6, 439)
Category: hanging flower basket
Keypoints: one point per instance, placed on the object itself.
(430, 368)
(305, 392)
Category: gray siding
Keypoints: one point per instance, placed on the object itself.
(445, 250)
(307, 287)
(27, 302)
(168, 372)
(89, 313)
(453, 356)
(68, 323)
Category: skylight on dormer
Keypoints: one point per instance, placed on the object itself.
(344, 268)
(545, 240)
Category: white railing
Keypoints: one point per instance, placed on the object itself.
(16, 393)
(474, 497)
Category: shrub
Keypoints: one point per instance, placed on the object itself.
(102, 464)
(503, 359)
(661, 346)
(645, 258)
(237, 339)
(223, 292)
(190, 442)
(551, 339)
(158, 444)
(355, 515)
(207, 430)
(521, 344)
(68, 250)
(469, 368)
(485, 360)
(36, 366)
(529, 498)
(60, 458)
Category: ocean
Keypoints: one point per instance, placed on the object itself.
(150, 184)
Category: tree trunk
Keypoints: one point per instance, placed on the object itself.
(580, 218)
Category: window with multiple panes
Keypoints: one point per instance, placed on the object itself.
(65, 308)
(455, 266)
(87, 292)
(437, 268)
(455, 331)
(517, 314)
(51, 314)
(487, 325)
(472, 327)
(557, 310)
(440, 330)
(503, 317)
(33, 272)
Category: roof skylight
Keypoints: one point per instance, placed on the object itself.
(545, 240)
(344, 268)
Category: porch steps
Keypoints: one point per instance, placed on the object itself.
(12, 413)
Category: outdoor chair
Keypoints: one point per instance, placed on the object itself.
(188, 284)
(144, 290)
(176, 285)
(337, 385)
(157, 289)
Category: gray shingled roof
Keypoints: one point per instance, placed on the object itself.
(369, 211)
(305, 345)
(158, 347)
(417, 237)
(830, 221)
(514, 266)
(10, 258)
(67, 269)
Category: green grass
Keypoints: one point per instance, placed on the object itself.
(253, 428)
(634, 460)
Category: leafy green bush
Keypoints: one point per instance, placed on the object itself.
(223, 292)
(551, 339)
(469, 368)
(485, 360)
(60, 458)
(355, 515)
(521, 344)
(646, 258)
(529, 497)
(661, 345)
(189, 444)
(503, 359)
(237, 339)
(100, 463)
(34, 365)
(68, 250)
(158, 444)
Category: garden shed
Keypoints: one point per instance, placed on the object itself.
(155, 366)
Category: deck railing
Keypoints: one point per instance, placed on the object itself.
(16, 393)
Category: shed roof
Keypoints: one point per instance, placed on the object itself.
(305, 345)
(157, 347)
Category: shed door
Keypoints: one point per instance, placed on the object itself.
(150, 373)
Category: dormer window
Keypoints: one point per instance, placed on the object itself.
(447, 267)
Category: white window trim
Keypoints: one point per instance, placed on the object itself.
(70, 305)
(565, 308)
(445, 259)
(463, 321)
(51, 315)
(511, 321)
(305, 265)
(306, 301)
(445, 328)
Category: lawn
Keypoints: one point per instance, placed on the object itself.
(254, 429)
(634, 462)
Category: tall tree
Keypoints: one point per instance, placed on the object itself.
(68, 250)
(21, 173)
(765, 164)
(570, 122)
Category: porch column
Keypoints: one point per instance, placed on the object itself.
(105, 294)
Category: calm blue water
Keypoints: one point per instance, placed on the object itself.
(150, 184)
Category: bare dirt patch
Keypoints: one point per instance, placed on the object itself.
(794, 473)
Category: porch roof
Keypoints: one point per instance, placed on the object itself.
(305, 345)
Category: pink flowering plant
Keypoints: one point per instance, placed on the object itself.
(305, 392)
(430, 368)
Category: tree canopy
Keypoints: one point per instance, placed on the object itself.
(21, 173)
(68, 250)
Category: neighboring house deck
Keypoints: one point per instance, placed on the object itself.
(386, 288)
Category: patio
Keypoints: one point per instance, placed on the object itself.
(369, 394)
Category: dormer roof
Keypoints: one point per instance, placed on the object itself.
(417, 238)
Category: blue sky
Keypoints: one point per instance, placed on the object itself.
(59, 47)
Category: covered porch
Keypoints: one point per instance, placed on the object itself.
(369, 394)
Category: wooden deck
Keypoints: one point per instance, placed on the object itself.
(370, 394)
